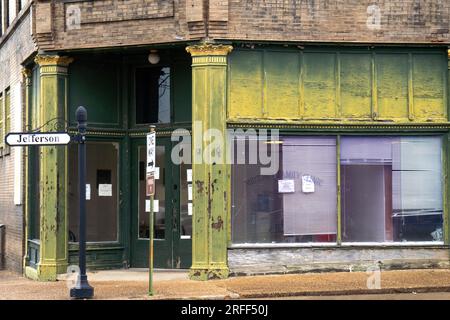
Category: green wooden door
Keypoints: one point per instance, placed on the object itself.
(172, 219)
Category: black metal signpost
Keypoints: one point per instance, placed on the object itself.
(82, 289)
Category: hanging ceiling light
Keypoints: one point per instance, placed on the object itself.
(153, 57)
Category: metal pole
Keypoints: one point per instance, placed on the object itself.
(152, 220)
(82, 288)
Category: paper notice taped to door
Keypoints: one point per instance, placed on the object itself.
(190, 209)
(156, 173)
(189, 192)
(88, 191)
(155, 205)
(189, 175)
(105, 190)
(307, 184)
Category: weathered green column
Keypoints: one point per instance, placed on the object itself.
(210, 172)
(53, 195)
(447, 175)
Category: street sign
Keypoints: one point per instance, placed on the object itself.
(151, 151)
(150, 190)
(37, 139)
(150, 185)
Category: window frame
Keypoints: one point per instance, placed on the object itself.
(119, 224)
(445, 166)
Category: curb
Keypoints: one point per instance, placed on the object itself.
(235, 296)
(344, 292)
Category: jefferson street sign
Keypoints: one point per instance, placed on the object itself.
(37, 139)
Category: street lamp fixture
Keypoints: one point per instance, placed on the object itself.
(153, 57)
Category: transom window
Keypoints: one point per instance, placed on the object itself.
(153, 95)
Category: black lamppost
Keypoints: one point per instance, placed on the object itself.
(82, 288)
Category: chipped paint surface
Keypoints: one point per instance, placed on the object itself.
(209, 239)
(346, 85)
(53, 244)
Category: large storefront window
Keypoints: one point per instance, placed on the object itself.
(297, 204)
(391, 191)
(102, 191)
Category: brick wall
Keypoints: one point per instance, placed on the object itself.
(105, 23)
(13, 51)
(373, 21)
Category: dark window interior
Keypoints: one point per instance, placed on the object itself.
(153, 95)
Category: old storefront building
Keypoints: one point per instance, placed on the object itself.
(357, 91)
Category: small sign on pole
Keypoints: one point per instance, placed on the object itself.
(151, 150)
(150, 191)
(150, 185)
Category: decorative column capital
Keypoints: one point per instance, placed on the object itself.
(209, 54)
(53, 64)
(26, 74)
(448, 56)
(53, 60)
(209, 49)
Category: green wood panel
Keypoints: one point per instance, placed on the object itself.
(392, 83)
(182, 92)
(341, 84)
(282, 71)
(94, 85)
(429, 84)
(356, 85)
(246, 85)
(320, 85)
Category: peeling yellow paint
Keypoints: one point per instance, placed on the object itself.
(345, 86)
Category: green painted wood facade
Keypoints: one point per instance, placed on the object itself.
(340, 85)
(318, 90)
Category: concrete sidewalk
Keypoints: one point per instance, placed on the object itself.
(133, 284)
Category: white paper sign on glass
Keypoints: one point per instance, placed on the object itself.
(286, 186)
(88, 191)
(307, 184)
(189, 175)
(189, 192)
(156, 173)
(105, 190)
(155, 205)
(190, 209)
